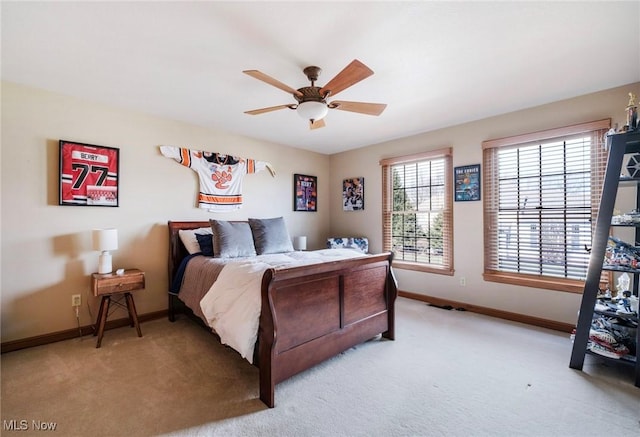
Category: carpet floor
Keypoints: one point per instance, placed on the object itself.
(449, 373)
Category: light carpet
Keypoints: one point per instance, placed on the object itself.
(449, 373)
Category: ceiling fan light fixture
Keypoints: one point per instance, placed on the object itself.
(312, 110)
(312, 100)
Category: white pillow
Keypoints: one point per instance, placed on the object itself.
(188, 237)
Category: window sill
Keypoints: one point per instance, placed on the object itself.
(544, 282)
(405, 265)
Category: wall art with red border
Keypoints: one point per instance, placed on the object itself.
(89, 174)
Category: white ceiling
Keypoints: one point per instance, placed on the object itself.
(436, 64)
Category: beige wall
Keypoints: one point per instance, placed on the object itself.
(46, 255)
(466, 141)
(46, 248)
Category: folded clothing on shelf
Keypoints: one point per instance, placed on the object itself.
(599, 349)
(608, 337)
(629, 218)
(626, 305)
(621, 254)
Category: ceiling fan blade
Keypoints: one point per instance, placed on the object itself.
(352, 74)
(269, 109)
(360, 107)
(271, 81)
(317, 124)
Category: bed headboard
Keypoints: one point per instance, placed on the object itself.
(177, 250)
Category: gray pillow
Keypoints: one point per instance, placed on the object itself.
(270, 235)
(232, 239)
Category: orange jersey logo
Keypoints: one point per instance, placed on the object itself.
(221, 178)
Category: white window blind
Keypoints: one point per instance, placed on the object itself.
(542, 192)
(417, 213)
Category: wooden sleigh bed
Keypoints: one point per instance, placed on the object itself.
(309, 313)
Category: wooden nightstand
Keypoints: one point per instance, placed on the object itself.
(110, 285)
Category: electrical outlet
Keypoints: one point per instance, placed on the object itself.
(76, 300)
(463, 281)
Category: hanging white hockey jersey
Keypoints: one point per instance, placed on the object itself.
(220, 175)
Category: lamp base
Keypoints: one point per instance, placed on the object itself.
(104, 263)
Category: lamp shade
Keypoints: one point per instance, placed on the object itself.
(300, 243)
(105, 239)
(312, 110)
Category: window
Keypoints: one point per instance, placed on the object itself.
(417, 211)
(542, 192)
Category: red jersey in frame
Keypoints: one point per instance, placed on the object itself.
(88, 174)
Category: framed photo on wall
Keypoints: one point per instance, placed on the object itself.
(88, 174)
(353, 194)
(305, 193)
(467, 183)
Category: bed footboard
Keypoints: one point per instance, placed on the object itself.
(312, 313)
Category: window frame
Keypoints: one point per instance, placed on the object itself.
(597, 130)
(447, 221)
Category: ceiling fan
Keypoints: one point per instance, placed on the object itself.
(312, 100)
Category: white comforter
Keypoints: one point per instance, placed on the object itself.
(233, 303)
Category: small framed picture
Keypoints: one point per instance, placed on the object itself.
(88, 174)
(353, 194)
(467, 183)
(305, 193)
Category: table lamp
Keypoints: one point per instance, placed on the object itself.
(300, 243)
(105, 240)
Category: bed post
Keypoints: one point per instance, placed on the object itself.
(392, 294)
(171, 267)
(172, 308)
(267, 334)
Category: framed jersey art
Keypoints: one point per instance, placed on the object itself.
(88, 174)
(305, 193)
